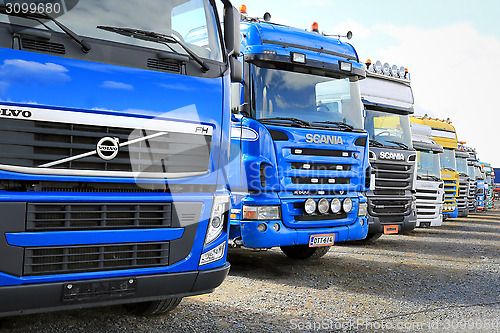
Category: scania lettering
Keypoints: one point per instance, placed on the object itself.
(430, 187)
(114, 140)
(300, 160)
(388, 102)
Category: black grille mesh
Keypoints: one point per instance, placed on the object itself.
(68, 217)
(75, 259)
(29, 143)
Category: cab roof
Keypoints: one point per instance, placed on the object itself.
(285, 36)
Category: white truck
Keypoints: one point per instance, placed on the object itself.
(430, 187)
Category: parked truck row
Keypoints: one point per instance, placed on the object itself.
(137, 149)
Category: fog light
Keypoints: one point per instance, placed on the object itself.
(262, 227)
(276, 227)
(213, 255)
(335, 205)
(323, 205)
(363, 209)
(310, 206)
(347, 205)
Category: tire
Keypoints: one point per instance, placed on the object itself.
(153, 308)
(303, 252)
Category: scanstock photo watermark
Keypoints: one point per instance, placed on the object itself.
(451, 325)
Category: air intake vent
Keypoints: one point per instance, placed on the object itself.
(77, 259)
(164, 65)
(42, 46)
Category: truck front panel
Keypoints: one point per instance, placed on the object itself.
(109, 172)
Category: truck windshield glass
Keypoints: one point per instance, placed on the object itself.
(388, 129)
(462, 165)
(306, 97)
(428, 164)
(470, 171)
(192, 21)
(448, 160)
(478, 173)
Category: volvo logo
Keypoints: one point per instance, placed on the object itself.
(107, 148)
(328, 139)
(385, 155)
(15, 113)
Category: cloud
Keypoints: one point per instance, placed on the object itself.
(117, 85)
(453, 70)
(17, 71)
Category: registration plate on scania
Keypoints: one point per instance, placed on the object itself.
(321, 240)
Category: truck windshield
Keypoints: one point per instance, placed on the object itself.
(462, 165)
(478, 173)
(388, 129)
(181, 19)
(312, 98)
(470, 171)
(448, 160)
(428, 165)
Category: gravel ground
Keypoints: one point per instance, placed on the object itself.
(444, 279)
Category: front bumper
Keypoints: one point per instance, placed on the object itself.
(253, 238)
(376, 224)
(45, 297)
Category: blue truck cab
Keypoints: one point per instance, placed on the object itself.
(299, 158)
(114, 141)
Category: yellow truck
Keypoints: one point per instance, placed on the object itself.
(444, 134)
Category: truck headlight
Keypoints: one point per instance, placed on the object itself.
(216, 223)
(261, 212)
(310, 206)
(347, 205)
(323, 205)
(335, 205)
(363, 209)
(213, 255)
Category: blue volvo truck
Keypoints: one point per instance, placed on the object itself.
(114, 140)
(299, 159)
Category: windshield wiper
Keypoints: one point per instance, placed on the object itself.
(337, 123)
(42, 16)
(155, 37)
(402, 145)
(296, 121)
(448, 169)
(428, 177)
(375, 143)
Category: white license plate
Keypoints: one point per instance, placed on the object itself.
(321, 240)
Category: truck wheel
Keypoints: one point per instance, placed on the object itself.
(153, 308)
(304, 251)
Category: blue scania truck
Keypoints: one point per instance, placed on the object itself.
(299, 159)
(114, 141)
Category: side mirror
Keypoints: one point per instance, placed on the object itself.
(232, 39)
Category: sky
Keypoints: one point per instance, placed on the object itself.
(450, 47)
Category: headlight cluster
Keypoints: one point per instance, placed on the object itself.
(216, 223)
(324, 206)
(261, 212)
(449, 206)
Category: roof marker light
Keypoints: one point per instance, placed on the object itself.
(315, 27)
(345, 66)
(368, 63)
(298, 57)
(243, 9)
